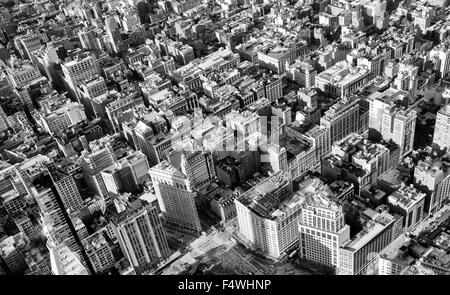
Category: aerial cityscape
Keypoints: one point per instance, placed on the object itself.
(224, 137)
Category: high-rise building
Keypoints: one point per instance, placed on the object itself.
(127, 174)
(399, 125)
(429, 178)
(441, 136)
(322, 227)
(358, 255)
(99, 252)
(380, 100)
(3, 120)
(25, 225)
(247, 126)
(138, 165)
(64, 261)
(66, 186)
(144, 135)
(443, 191)
(9, 251)
(375, 158)
(22, 74)
(100, 156)
(341, 119)
(407, 79)
(320, 137)
(111, 177)
(57, 118)
(442, 53)
(268, 215)
(198, 167)
(176, 197)
(113, 33)
(56, 222)
(29, 43)
(408, 202)
(78, 70)
(141, 236)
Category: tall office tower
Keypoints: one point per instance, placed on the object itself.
(341, 119)
(443, 191)
(268, 215)
(65, 185)
(320, 136)
(144, 136)
(64, 262)
(138, 164)
(22, 74)
(176, 197)
(126, 175)
(56, 222)
(198, 167)
(113, 33)
(9, 252)
(89, 90)
(78, 70)
(441, 53)
(60, 117)
(101, 156)
(303, 73)
(25, 225)
(247, 126)
(441, 136)
(322, 227)
(99, 252)
(358, 255)
(91, 38)
(250, 161)
(141, 236)
(80, 228)
(407, 80)
(111, 177)
(429, 178)
(357, 17)
(143, 10)
(378, 101)
(409, 202)
(399, 125)
(3, 120)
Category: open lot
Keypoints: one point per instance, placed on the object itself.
(219, 253)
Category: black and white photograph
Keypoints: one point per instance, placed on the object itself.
(224, 146)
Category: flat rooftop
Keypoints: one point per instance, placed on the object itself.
(371, 229)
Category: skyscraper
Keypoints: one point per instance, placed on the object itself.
(25, 225)
(441, 136)
(399, 125)
(3, 120)
(176, 197)
(141, 236)
(198, 167)
(322, 227)
(64, 261)
(268, 215)
(358, 254)
(341, 119)
(66, 186)
(78, 70)
(126, 175)
(101, 156)
(56, 222)
(99, 252)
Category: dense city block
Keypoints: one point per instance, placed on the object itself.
(234, 137)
